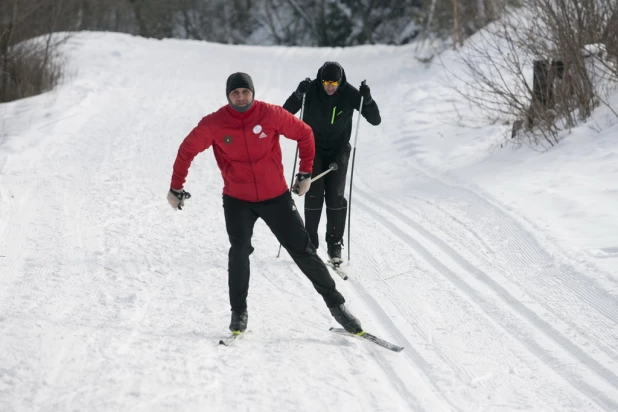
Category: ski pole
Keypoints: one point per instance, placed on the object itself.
(360, 109)
(302, 111)
(331, 167)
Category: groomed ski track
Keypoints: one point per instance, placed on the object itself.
(109, 300)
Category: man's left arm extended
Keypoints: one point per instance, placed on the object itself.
(295, 129)
(370, 110)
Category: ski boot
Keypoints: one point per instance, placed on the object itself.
(346, 319)
(239, 321)
(334, 253)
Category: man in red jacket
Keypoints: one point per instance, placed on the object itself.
(244, 135)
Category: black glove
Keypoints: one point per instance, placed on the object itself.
(176, 198)
(365, 91)
(302, 88)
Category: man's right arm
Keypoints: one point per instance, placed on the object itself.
(196, 142)
(294, 102)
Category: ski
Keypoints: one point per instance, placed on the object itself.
(230, 339)
(337, 268)
(370, 338)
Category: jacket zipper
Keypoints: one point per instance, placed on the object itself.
(257, 196)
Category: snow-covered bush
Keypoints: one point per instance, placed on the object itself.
(567, 43)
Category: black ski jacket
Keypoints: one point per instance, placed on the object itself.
(330, 117)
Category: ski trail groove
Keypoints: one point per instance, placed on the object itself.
(568, 288)
(511, 326)
(409, 351)
(380, 359)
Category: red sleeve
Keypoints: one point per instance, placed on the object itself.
(196, 142)
(295, 129)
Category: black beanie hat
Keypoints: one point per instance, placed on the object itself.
(331, 71)
(237, 80)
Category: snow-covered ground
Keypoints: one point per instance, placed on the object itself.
(496, 269)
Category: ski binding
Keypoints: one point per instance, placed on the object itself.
(230, 339)
(336, 266)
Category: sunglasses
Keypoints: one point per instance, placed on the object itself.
(333, 83)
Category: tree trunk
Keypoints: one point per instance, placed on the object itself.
(481, 14)
(5, 46)
(432, 10)
(457, 30)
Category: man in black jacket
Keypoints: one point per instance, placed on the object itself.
(330, 102)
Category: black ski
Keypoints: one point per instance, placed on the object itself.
(230, 339)
(337, 268)
(370, 338)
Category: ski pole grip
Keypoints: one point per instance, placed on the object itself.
(307, 79)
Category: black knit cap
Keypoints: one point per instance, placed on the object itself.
(331, 71)
(237, 80)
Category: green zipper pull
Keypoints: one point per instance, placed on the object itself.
(332, 120)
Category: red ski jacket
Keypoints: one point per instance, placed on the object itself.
(247, 150)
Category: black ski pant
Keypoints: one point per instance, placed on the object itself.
(330, 188)
(285, 223)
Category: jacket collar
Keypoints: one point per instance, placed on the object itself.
(238, 115)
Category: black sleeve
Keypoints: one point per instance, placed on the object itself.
(370, 110)
(293, 103)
